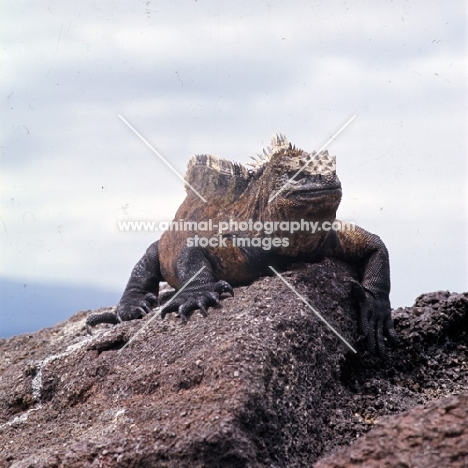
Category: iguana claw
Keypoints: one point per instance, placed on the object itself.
(125, 311)
(223, 286)
(105, 317)
(192, 299)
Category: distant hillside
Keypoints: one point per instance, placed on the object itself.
(27, 307)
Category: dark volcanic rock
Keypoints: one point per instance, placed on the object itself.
(261, 382)
(430, 436)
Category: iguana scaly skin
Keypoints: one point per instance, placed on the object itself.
(234, 193)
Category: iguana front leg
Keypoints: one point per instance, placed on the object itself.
(200, 291)
(370, 254)
(141, 293)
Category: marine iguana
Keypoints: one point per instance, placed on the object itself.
(271, 193)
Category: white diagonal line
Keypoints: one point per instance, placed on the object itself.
(305, 165)
(160, 157)
(165, 305)
(313, 310)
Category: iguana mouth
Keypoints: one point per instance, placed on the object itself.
(316, 193)
(315, 186)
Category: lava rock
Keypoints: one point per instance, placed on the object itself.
(260, 382)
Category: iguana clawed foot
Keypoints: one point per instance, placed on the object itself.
(198, 297)
(129, 311)
(125, 311)
(375, 321)
(186, 302)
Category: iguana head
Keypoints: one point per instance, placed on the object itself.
(296, 180)
(284, 182)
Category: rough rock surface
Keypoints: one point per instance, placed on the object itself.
(260, 382)
(430, 436)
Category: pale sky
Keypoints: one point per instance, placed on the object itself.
(206, 76)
